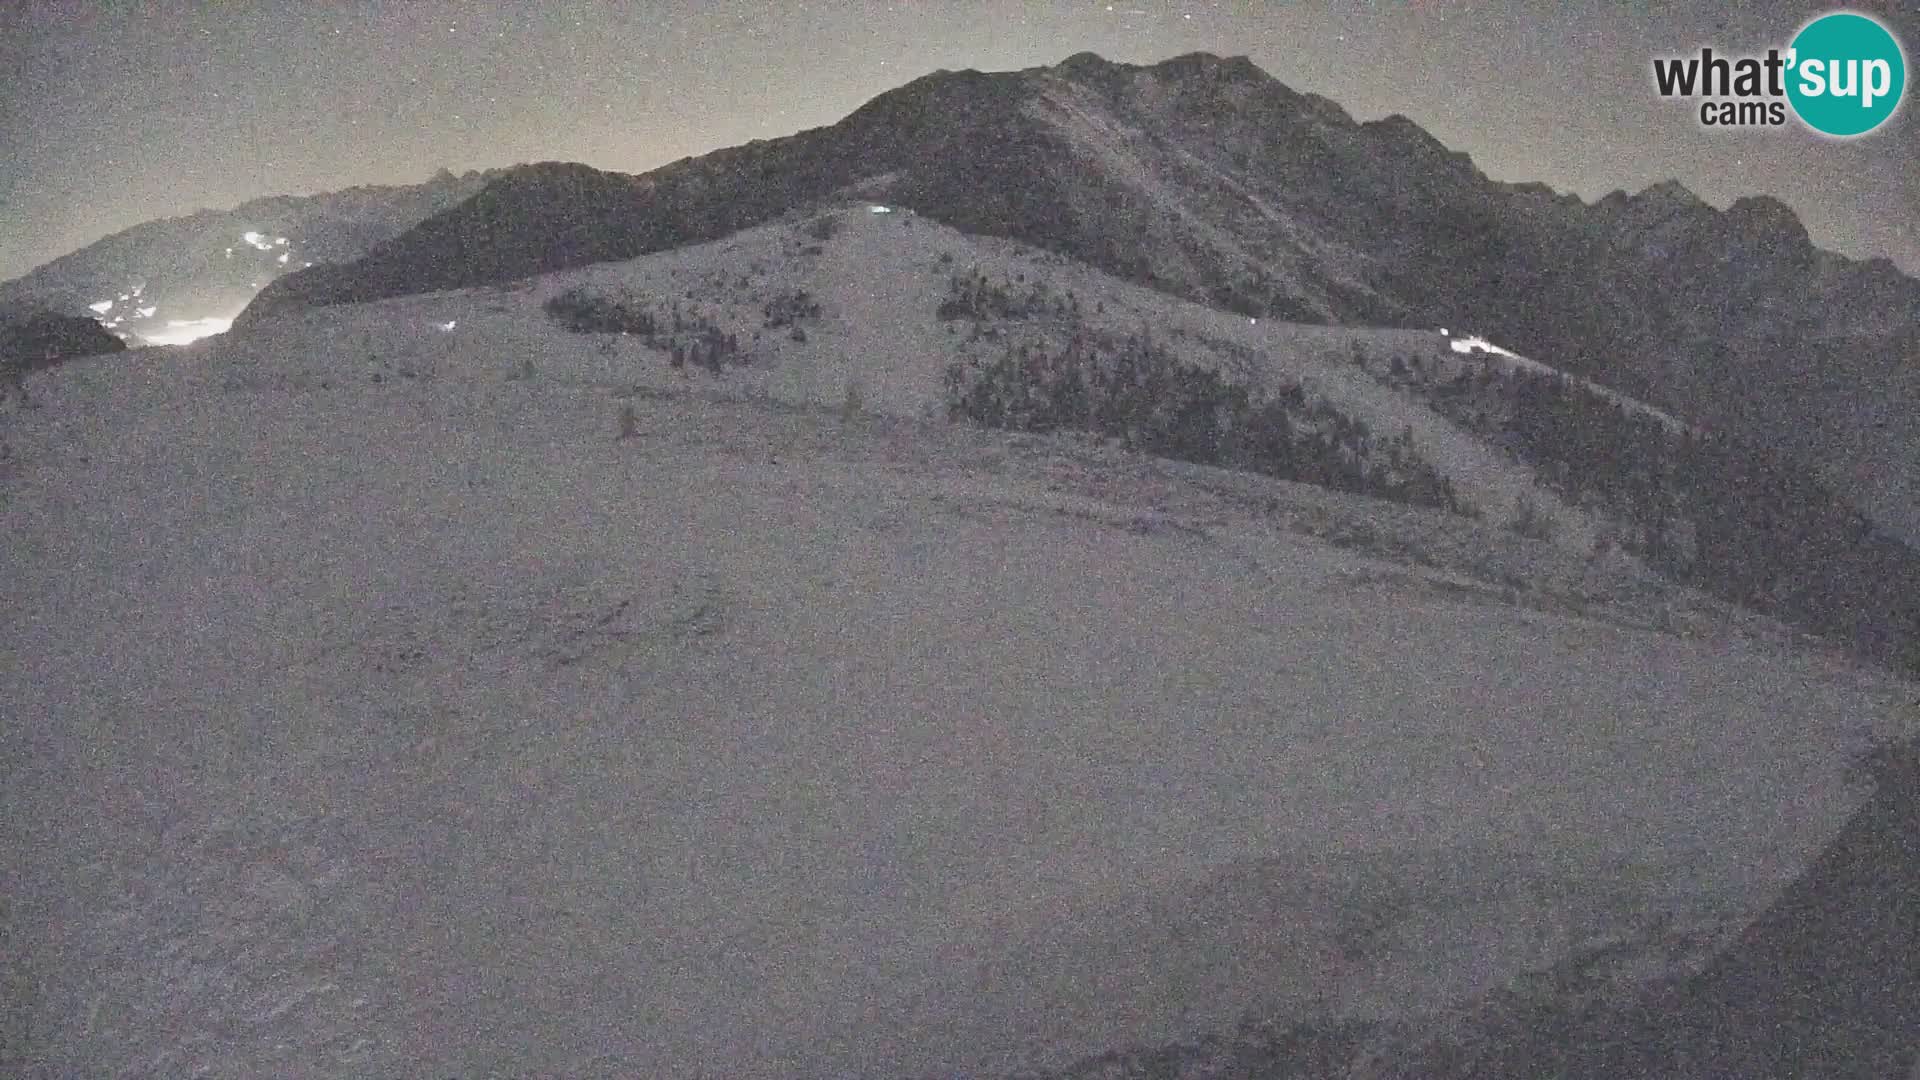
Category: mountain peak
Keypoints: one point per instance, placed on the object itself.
(1085, 62)
(1670, 193)
(1408, 137)
(1093, 70)
(1211, 64)
(1764, 213)
(1091, 66)
(1402, 128)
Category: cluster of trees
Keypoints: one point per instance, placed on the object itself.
(1252, 292)
(789, 307)
(1767, 532)
(587, 312)
(1137, 391)
(1580, 442)
(685, 337)
(975, 296)
(705, 346)
(1733, 517)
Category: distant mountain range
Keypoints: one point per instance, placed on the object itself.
(177, 278)
(1207, 178)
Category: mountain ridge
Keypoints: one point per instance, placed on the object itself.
(948, 104)
(1204, 177)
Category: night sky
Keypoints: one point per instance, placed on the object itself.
(113, 113)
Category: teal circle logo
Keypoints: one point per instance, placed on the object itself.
(1846, 74)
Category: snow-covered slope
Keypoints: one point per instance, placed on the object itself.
(880, 277)
(374, 707)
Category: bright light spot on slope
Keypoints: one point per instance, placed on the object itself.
(449, 324)
(181, 331)
(101, 306)
(283, 257)
(880, 209)
(147, 312)
(1476, 343)
(257, 240)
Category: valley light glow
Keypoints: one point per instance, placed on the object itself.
(182, 331)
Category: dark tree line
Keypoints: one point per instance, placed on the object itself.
(790, 307)
(589, 313)
(976, 296)
(685, 338)
(1734, 517)
(1135, 390)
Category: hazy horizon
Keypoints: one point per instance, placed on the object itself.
(189, 110)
